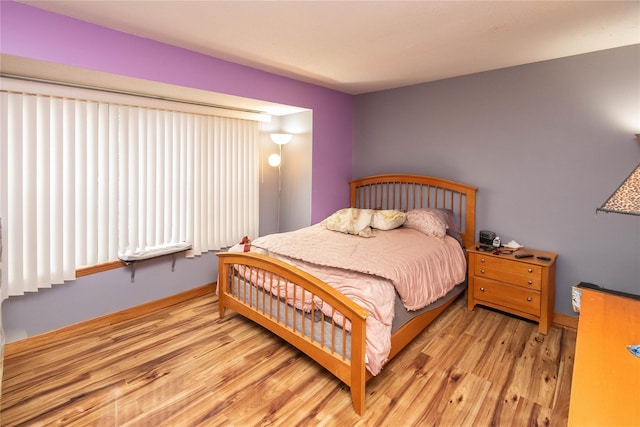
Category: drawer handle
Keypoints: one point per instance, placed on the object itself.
(530, 282)
(482, 289)
(530, 270)
(482, 271)
(529, 299)
(481, 259)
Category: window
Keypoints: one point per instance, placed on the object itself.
(86, 176)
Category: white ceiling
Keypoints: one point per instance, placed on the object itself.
(364, 46)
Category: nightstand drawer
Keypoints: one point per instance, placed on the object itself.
(507, 270)
(515, 297)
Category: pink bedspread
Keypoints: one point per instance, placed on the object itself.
(421, 268)
(370, 270)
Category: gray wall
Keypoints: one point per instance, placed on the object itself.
(294, 196)
(545, 143)
(104, 293)
(295, 203)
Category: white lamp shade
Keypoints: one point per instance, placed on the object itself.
(281, 138)
(274, 160)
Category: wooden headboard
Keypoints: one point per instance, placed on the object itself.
(406, 192)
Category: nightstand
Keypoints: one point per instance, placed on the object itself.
(524, 287)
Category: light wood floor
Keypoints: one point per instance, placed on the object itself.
(182, 366)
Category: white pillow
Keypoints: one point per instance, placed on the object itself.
(350, 221)
(388, 219)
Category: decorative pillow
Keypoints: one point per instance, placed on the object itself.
(351, 221)
(388, 219)
(432, 222)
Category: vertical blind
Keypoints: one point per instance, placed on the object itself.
(83, 181)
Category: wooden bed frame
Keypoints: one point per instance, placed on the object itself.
(399, 191)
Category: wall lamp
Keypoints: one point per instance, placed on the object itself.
(280, 139)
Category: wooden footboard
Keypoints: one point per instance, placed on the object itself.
(319, 335)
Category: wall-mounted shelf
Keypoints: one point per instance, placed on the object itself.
(131, 258)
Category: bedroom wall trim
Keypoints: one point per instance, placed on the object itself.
(565, 321)
(93, 269)
(37, 341)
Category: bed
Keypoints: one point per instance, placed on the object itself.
(312, 306)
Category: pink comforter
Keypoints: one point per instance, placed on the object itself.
(370, 270)
(421, 268)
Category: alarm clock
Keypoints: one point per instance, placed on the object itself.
(487, 237)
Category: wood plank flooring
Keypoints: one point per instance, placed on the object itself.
(183, 366)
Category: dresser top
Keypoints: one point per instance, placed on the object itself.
(506, 253)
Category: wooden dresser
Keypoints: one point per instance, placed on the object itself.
(605, 389)
(524, 287)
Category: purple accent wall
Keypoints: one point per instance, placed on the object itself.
(34, 33)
